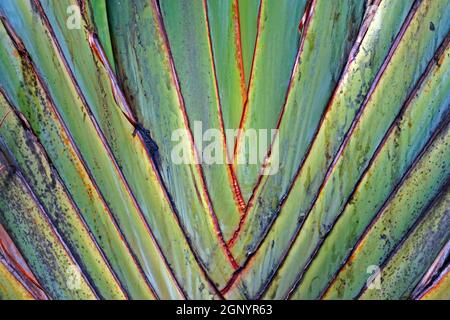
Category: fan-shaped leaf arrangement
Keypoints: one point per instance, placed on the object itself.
(92, 204)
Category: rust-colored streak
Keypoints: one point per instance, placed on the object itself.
(239, 57)
(237, 191)
(245, 107)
